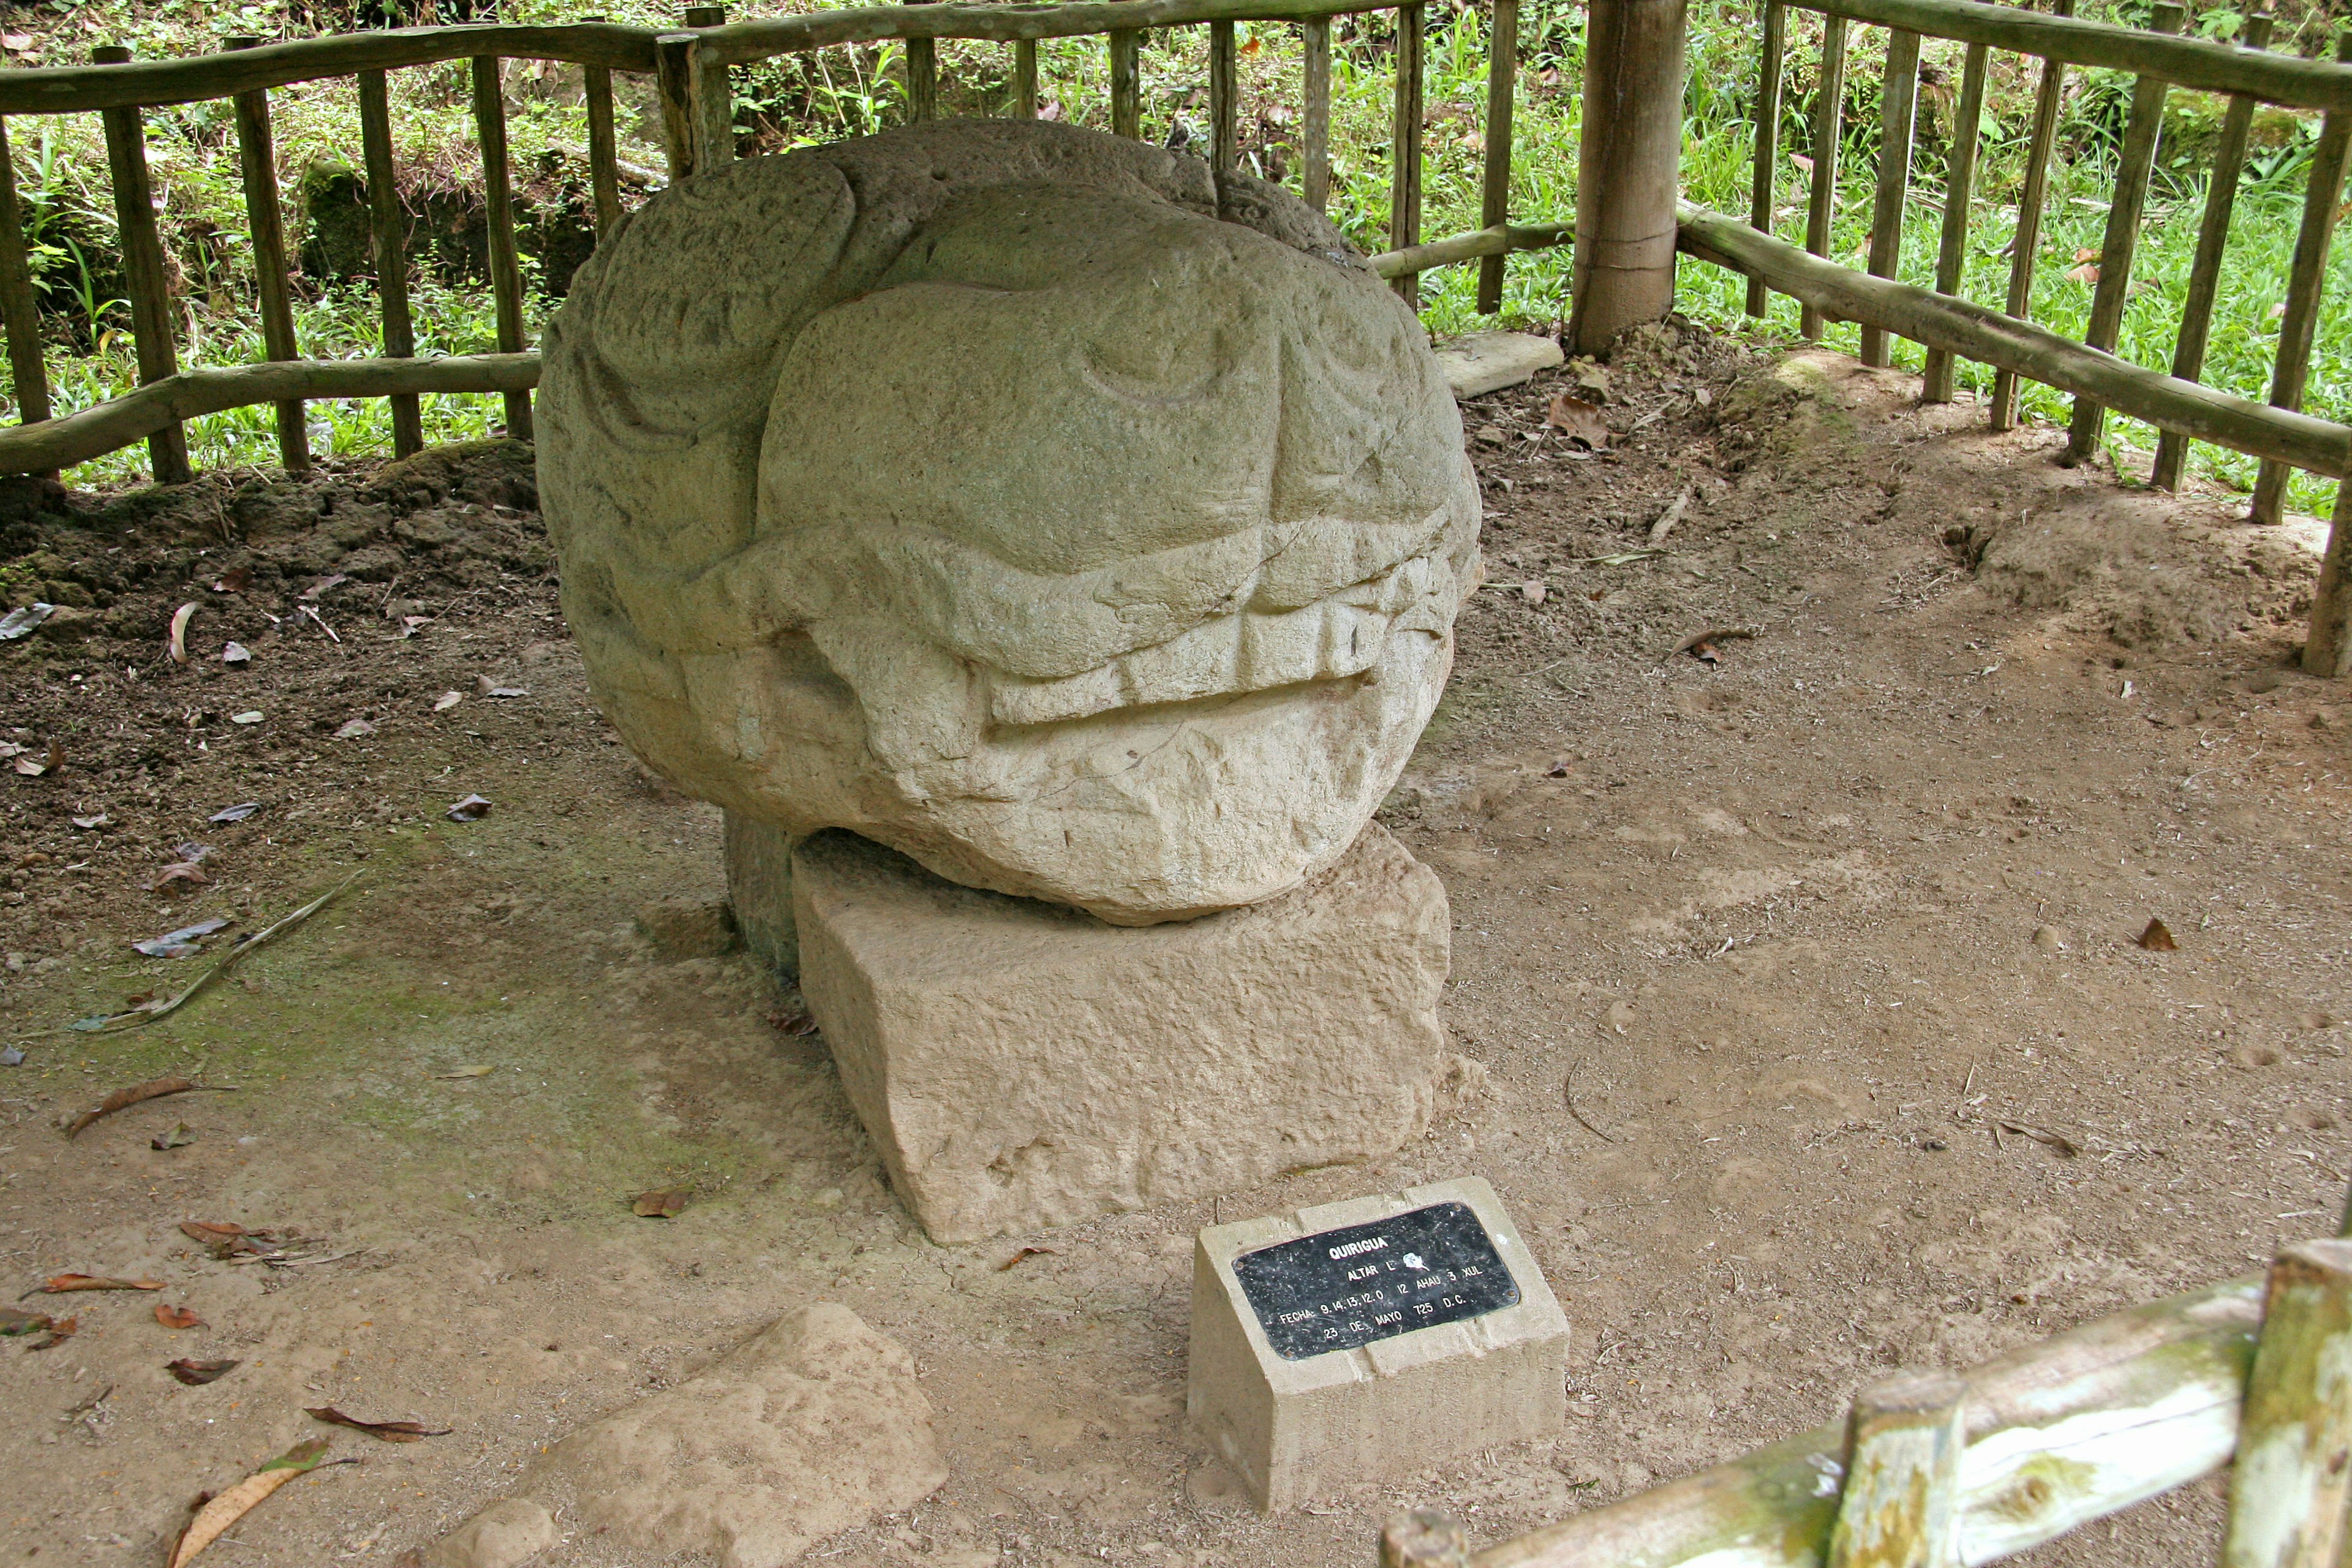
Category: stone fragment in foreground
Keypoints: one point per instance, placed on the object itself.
(1489, 361)
(1021, 1065)
(1368, 1339)
(812, 1426)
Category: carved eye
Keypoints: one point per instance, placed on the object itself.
(1145, 363)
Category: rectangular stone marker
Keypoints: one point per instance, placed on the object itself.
(1367, 1339)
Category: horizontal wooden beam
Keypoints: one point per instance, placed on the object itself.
(1973, 332)
(2058, 1433)
(76, 89)
(741, 43)
(106, 426)
(2184, 62)
(1478, 243)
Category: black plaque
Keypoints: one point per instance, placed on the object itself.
(1372, 1282)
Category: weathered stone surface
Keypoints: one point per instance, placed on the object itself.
(1488, 361)
(507, 1533)
(812, 1426)
(687, 927)
(1082, 525)
(1022, 1065)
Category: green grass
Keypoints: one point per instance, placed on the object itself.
(852, 91)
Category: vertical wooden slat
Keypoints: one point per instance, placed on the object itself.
(1899, 106)
(2306, 280)
(1959, 188)
(390, 234)
(2032, 198)
(673, 87)
(1771, 61)
(603, 150)
(922, 76)
(1900, 1503)
(2288, 1487)
(258, 162)
(711, 96)
(1404, 147)
(1502, 91)
(1315, 113)
(18, 309)
(1025, 79)
(1126, 85)
(2126, 206)
(1224, 93)
(144, 268)
(497, 204)
(2212, 238)
(1828, 123)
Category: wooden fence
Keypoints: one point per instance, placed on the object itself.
(1935, 1470)
(2159, 59)
(689, 67)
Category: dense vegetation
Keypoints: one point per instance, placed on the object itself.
(60, 169)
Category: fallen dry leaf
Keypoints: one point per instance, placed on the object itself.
(390, 1431)
(236, 653)
(196, 1374)
(227, 1241)
(2158, 938)
(86, 823)
(181, 943)
(473, 808)
(61, 1284)
(467, 1072)
(1024, 1252)
(59, 1332)
(1578, 420)
(353, 729)
(177, 645)
(234, 813)
(16, 1320)
(179, 1137)
(181, 871)
(138, 1093)
(235, 580)
(446, 700)
(29, 768)
(2086, 253)
(212, 1233)
(214, 1517)
(322, 584)
(2060, 1142)
(664, 1203)
(173, 1317)
(2088, 272)
(251, 716)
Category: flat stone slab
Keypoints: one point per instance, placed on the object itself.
(1022, 1065)
(1488, 361)
(1357, 1340)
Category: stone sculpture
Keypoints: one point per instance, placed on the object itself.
(1082, 525)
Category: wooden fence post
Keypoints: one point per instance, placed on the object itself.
(2034, 196)
(257, 161)
(603, 146)
(1024, 77)
(1404, 146)
(1629, 169)
(922, 76)
(1898, 110)
(1126, 84)
(1770, 65)
(1224, 91)
(18, 308)
(143, 268)
(2288, 1489)
(1960, 187)
(2126, 204)
(710, 95)
(2328, 643)
(1900, 1505)
(1502, 90)
(2205, 272)
(2306, 282)
(389, 233)
(1424, 1538)
(1315, 113)
(506, 267)
(1828, 136)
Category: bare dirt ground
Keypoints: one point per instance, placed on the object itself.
(1759, 957)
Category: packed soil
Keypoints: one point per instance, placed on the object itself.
(1762, 944)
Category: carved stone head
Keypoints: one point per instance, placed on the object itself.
(1026, 499)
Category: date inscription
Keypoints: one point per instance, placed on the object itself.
(1366, 1283)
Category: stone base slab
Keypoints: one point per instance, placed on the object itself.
(1021, 1065)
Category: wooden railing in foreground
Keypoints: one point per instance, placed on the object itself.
(689, 67)
(1935, 1470)
(2158, 59)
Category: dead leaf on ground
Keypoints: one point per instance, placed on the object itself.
(63, 1284)
(666, 1203)
(2066, 1147)
(179, 1137)
(467, 1072)
(446, 700)
(2088, 272)
(1578, 420)
(794, 1021)
(250, 716)
(237, 813)
(196, 1374)
(16, 1320)
(177, 645)
(88, 823)
(1025, 1252)
(183, 871)
(236, 653)
(2158, 938)
(473, 808)
(214, 1516)
(228, 1241)
(182, 943)
(59, 1332)
(235, 580)
(176, 1317)
(1707, 646)
(28, 767)
(323, 583)
(137, 1094)
(390, 1431)
(353, 729)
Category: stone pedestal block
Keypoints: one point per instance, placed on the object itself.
(1367, 1339)
(1021, 1064)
